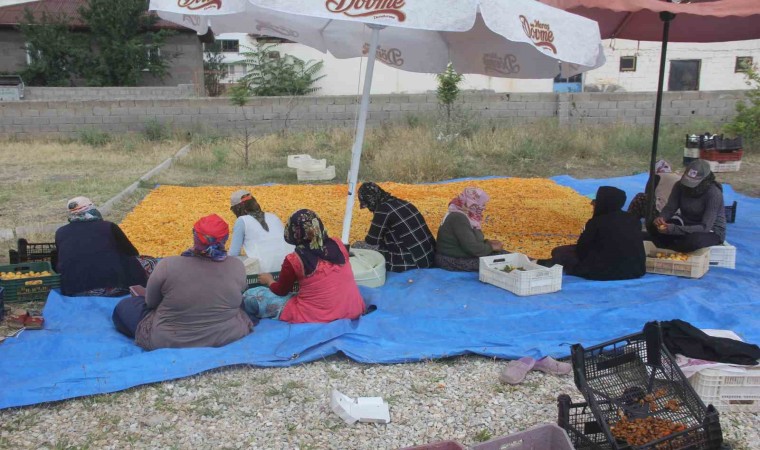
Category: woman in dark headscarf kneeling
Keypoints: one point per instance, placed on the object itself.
(320, 265)
(611, 246)
(193, 300)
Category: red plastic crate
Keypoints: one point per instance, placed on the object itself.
(719, 156)
(442, 445)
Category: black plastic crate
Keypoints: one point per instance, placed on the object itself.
(731, 213)
(33, 252)
(692, 141)
(581, 426)
(2, 302)
(253, 281)
(636, 377)
(34, 289)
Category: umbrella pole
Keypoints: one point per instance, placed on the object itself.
(356, 152)
(666, 17)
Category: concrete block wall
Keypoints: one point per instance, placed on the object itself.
(53, 119)
(108, 93)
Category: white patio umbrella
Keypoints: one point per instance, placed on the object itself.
(502, 38)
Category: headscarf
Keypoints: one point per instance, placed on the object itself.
(608, 199)
(210, 234)
(662, 166)
(306, 231)
(81, 209)
(471, 202)
(371, 196)
(245, 203)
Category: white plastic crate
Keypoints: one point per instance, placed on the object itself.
(732, 166)
(729, 390)
(306, 162)
(691, 152)
(533, 280)
(723, 255)
(316, 175)
(695, 267)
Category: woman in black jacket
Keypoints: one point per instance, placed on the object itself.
(611, 246)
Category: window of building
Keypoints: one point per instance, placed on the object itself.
(684, 75)
(229, 45)
(743, 63)
(628, 64)
(154, 56)
(269, 39)
(29, 54)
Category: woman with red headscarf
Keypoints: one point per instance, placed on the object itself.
(460, 242)
(193, 300)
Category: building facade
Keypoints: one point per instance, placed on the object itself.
(631, 66)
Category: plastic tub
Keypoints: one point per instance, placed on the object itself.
(541, 437)
(368, 267)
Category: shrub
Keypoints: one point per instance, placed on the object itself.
(155, 131)
(94, 138)
(747, 121)
(272, 74)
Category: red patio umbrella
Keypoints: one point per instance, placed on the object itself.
(668, 21)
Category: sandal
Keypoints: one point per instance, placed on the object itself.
(16, 318)
(34, 321)
(516, 370)
(551, 366)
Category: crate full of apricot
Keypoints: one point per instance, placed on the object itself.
(669, 262)
(28, 282)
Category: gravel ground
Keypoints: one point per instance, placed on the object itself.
(288, 408)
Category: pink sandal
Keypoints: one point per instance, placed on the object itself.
(551, 366)
(516, 370)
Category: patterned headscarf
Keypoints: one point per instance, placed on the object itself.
(306, 231)
(244, 203)
(662, 166)
(371, 196)
(81, 209)
(210, 235)
(471, 202)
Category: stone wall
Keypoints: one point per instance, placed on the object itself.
(52, 119)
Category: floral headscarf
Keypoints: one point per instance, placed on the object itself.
(210, 235)
(81, 209)
(371, 196)
(662, 166)
(306, 231)
(471, 202)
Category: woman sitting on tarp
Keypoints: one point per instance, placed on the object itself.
(611, 245)
(94, 257)
(260, 234)
(460, 237)
(664, 181)
(320, 265)
(695, 216)
(193, 300)
(398, 230)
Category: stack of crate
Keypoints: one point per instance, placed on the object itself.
(723, 154)
(310, 169)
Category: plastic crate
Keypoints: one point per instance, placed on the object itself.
(316, 175)
(2, 302)
(253, 281)
(707, 141)
(721, 156)
(687, 160)
(32, 252)
(692, 141)
(732, 166)
(691, 153)
(532, 281)
(727, 390)
(731, 213)
(541, 437)
(441, 445)
(18, 291)
(695, 267)
(306, 162)
(723, 255)
(581, 426)
(635, 376)
(723, 143)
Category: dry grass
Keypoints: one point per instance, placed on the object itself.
(38, 177)
(410, 153)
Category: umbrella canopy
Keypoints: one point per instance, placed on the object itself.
(668, 21)
(502, 38)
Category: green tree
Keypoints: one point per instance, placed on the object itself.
(124, 43)
(747, 120)
(448, 92)
(214, 69)
(272, 74)
(54, 50)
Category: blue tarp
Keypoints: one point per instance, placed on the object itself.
(421, 314)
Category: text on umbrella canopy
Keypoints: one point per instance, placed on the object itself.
(199, 4)
(390, 56)
(502, 65)
(368, 8)
(540, 33)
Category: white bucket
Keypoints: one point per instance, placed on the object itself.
(368, 267)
